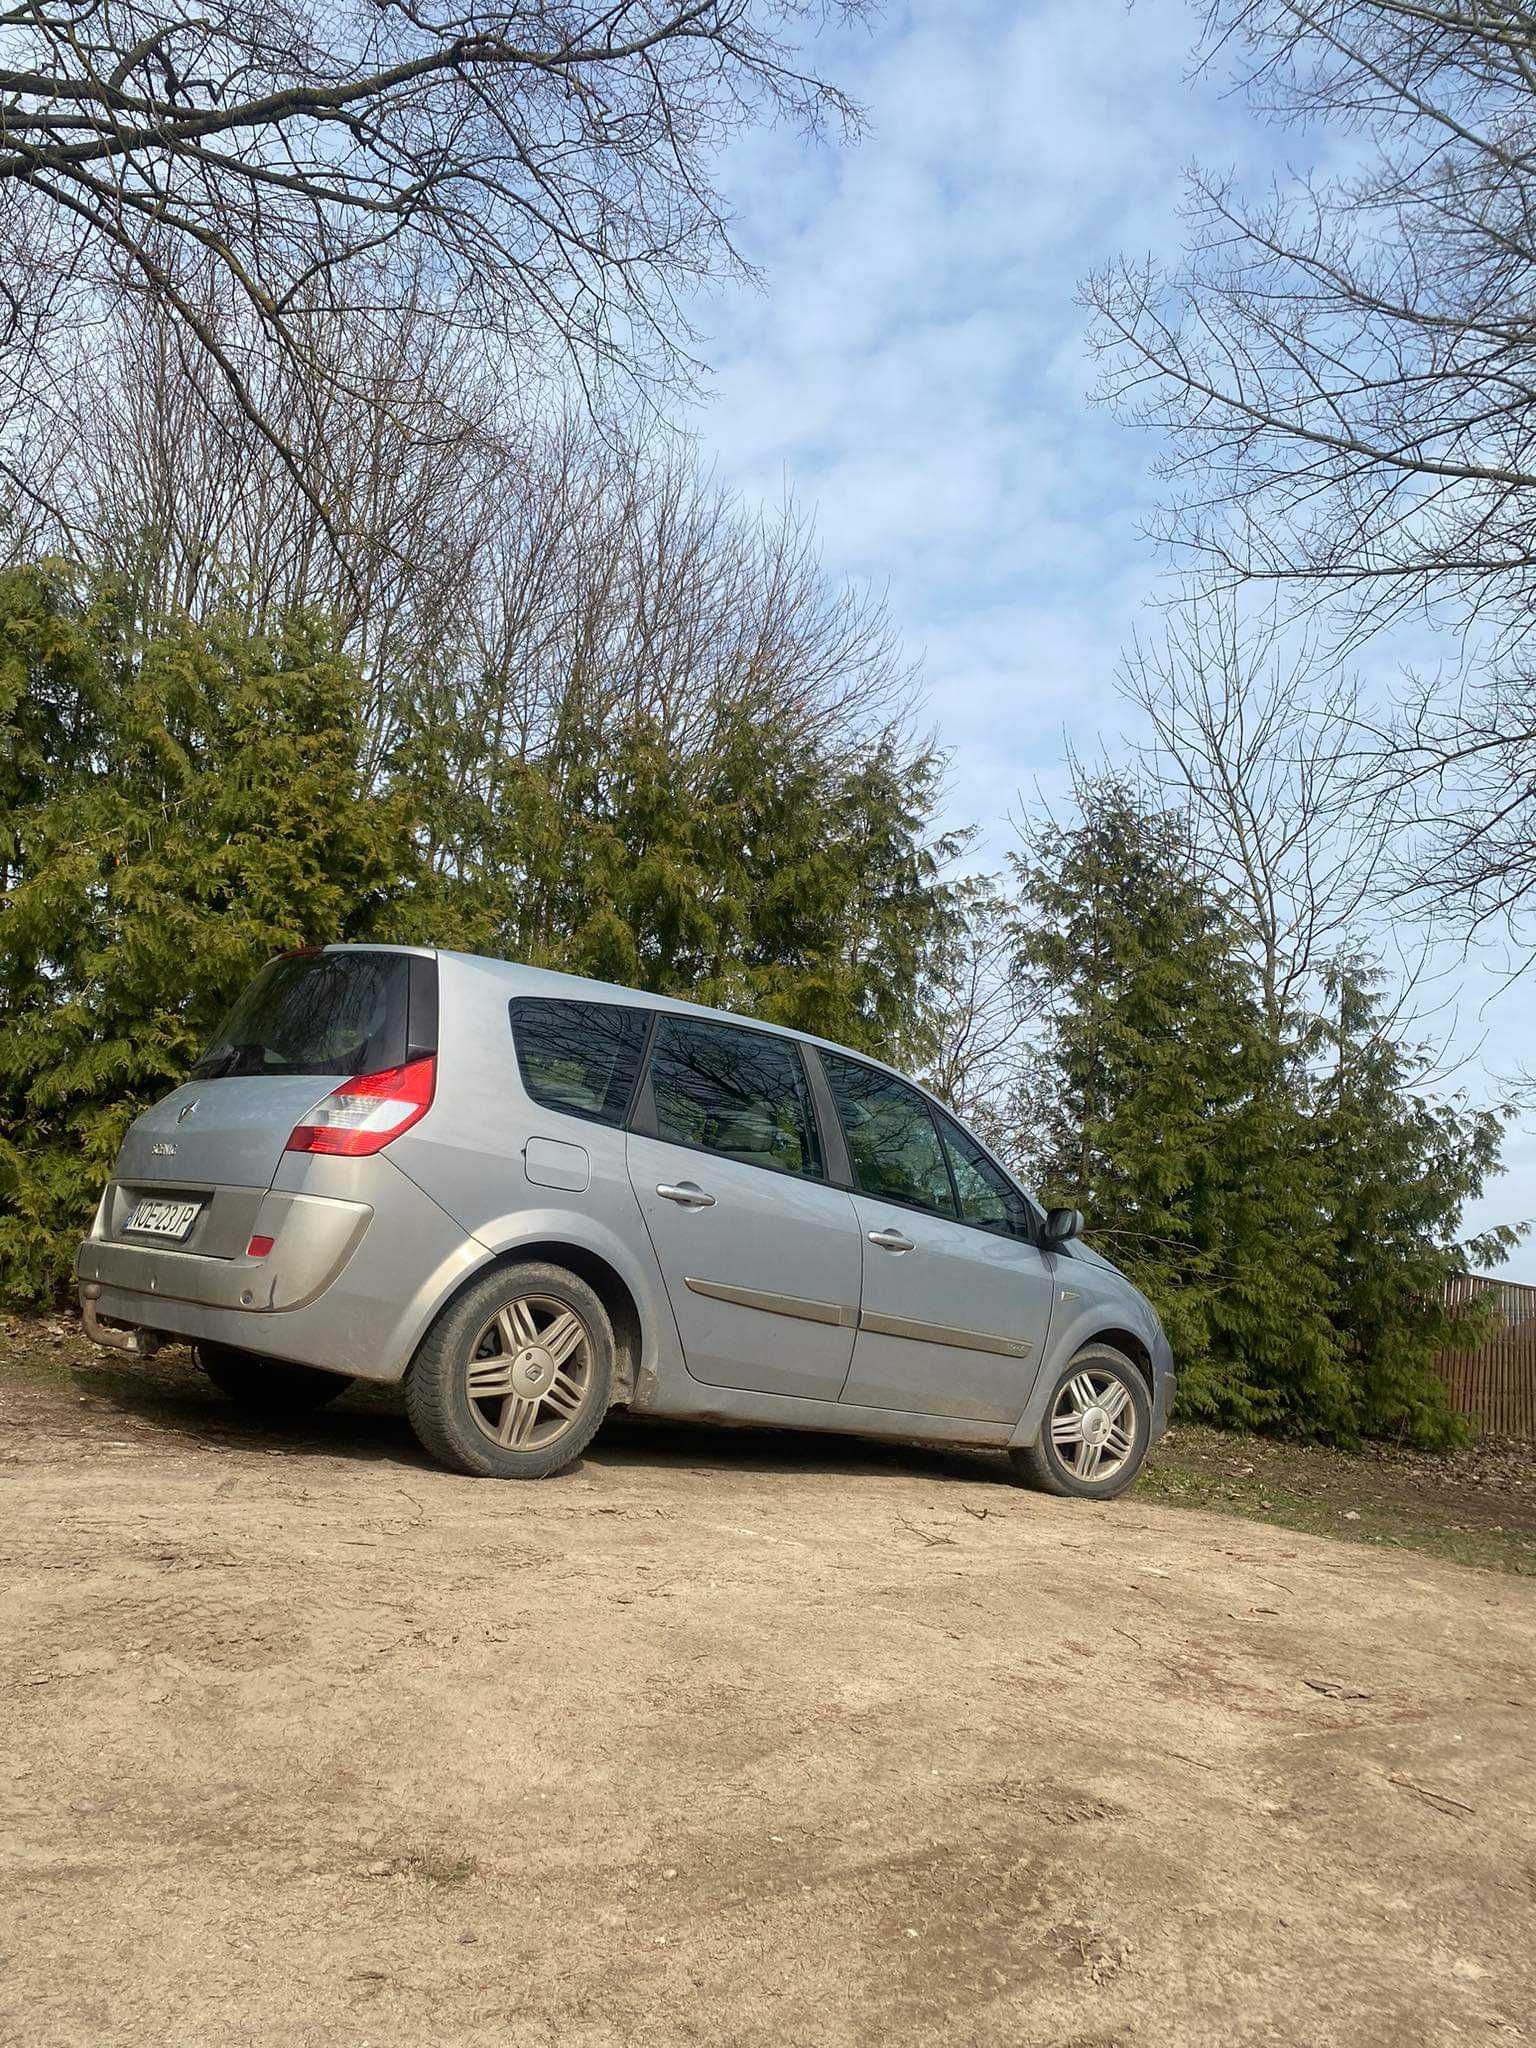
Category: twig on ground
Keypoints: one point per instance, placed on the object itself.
(1441, 1801)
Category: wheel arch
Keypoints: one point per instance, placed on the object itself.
(1134, 1347)
(1065, 1346)
(605, 1280)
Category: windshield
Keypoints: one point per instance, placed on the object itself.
(316, 1013)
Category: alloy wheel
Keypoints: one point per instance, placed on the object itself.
(529, 1372)
(1093, 1424)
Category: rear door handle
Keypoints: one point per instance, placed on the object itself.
(891, 1240)
(688, 1193)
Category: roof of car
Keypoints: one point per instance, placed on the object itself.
(550, 981)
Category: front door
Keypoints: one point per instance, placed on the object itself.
(956, 1296)
(760, 1254)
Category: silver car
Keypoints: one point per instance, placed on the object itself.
(533, 1198)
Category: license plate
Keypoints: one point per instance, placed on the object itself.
(156, 1217)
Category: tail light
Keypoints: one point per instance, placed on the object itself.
(367, 1111)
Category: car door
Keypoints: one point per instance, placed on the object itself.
(759, 1252)
(956, 1296)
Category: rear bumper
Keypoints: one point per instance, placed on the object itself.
(349, 1285)
(313, 1238)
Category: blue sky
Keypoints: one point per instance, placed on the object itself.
(914, 371)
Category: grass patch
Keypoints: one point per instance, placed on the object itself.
(1475, 1506)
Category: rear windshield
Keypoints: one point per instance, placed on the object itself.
(327, 1013)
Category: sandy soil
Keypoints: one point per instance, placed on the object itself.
(725, 1738)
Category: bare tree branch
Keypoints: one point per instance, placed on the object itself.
(1345, 371)
(538, 171)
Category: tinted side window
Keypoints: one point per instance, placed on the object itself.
(580, 1058)
(742, 1093)
(891, 1137)
(986, 1198)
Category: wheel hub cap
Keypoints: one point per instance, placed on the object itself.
(1095, 1427)
(532, 1371)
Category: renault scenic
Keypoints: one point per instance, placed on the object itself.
(533, 1198)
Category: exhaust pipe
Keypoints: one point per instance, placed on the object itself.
(137, 1343)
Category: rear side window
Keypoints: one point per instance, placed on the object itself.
(328, 1013)
(988, 1199)
(741, 1093)
(580, 1058)
(892, 1141)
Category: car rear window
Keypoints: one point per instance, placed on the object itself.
(328, 1013)
(580, 1058)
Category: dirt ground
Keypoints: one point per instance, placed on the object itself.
(724, 1738)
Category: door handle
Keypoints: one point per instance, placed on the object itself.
(891, 1240)
(687, 1193)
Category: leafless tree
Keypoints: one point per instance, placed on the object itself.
(615, 583)
(978, 1014)
(1464, 745)
(156, 475)
(527, 577)
(1346, 371)
(1291, 817)
(540, 171)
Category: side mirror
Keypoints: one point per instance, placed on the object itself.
(1061, 1226)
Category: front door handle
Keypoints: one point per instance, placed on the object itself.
(688, 1193)
(891, 1240)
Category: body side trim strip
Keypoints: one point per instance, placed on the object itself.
(864, 1319)
(943, 1333)
(795, 1305)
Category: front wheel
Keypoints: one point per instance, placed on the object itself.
(268, 1386)
(514, 1377)
(1096, 1429)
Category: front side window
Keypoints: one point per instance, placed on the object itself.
(987, 1198)
(580, 1058)
(740, 1093)
(892, 1141)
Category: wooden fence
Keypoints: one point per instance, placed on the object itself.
(1496, 1383)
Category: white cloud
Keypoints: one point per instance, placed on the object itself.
(915, 370)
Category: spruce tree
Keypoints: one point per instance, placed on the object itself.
(1399, 1168)
(1292, 1205)
(1164, 1112)
(177, 807)
(182, 800)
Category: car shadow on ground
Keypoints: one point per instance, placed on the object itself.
(627, 1441)
(169, 1393)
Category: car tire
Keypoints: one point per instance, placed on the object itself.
(1086, 1418)
(268, 1386)
(513, 1379)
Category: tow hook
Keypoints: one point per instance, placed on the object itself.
(137, 1343)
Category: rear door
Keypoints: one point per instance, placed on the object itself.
(760, 1253)
(956, 1295)
(306, 1021)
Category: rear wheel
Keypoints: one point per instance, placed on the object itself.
(514, 1377)
(268, 1386)
(1098, 1423)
